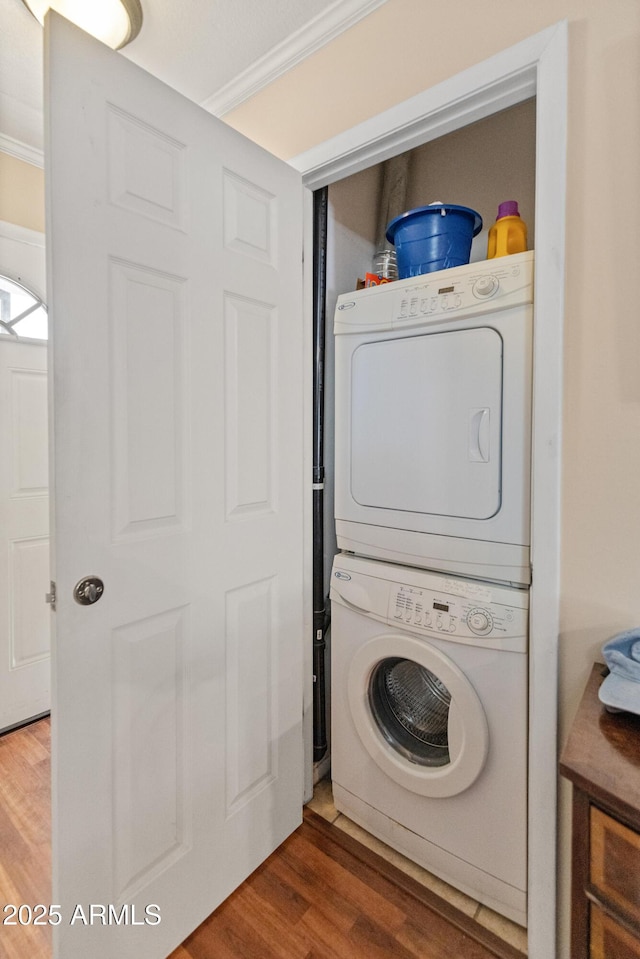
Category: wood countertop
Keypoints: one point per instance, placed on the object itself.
(602, 753)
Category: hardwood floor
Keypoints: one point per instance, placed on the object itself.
(321, 895)
(25, 836)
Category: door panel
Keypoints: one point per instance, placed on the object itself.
(24, 522)
(176, 301)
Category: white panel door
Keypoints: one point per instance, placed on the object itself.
(176, 315)
(24, 532)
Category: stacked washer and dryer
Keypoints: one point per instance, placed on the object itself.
(430, 593)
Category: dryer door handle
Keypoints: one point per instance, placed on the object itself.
(479, 425)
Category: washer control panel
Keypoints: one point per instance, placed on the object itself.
(461, 617)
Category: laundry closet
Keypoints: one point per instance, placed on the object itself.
(478, 166)
(451, 647)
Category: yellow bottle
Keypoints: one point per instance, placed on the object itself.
(509, 233)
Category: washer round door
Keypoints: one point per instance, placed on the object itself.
(418, 715)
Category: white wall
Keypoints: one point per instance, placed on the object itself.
(21, 193)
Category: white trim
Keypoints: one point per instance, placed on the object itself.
(477, 92)
(21, 151)
(21, 234)
(551, 163)
(536, 66)
(329, 24)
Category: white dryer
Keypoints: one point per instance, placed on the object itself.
(429, 720)
(433, 420)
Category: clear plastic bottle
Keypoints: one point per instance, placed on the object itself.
(509, 233)
(385, 264)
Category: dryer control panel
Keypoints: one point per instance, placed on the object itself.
(465, 619)
(463, 291)
(418, 301)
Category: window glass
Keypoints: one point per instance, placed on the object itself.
(22, 313)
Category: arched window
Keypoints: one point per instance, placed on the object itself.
(23, 315)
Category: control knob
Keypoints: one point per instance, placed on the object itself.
(479, 621)
(485, 286)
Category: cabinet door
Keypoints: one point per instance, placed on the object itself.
(610, 940)
(615, 863)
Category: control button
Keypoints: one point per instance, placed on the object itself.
(434, 302)
(424, 305)
(404, 307)
(479, 621)
(485, 286)
(445, 302)
(458, 300)
(414, 307)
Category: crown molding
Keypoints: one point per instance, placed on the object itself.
(21, 151)
(311, 37)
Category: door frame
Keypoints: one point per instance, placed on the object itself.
(536, 67)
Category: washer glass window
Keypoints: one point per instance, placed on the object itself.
(411, 708)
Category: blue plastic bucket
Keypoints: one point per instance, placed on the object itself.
(433, 237)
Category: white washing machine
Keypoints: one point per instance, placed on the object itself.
(433, 429)
(429, 720)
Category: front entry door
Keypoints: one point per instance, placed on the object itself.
(174, 271)
(25, 668)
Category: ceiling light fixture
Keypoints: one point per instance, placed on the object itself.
(115, 22)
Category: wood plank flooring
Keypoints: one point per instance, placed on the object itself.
(25, 836)
(321, 895)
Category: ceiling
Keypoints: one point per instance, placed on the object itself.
(216, 52)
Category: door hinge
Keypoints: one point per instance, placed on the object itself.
(51, 596)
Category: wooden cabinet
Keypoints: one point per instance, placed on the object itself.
(602, 760)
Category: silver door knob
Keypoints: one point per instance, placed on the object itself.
(88, 591)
